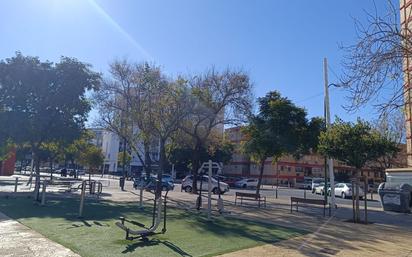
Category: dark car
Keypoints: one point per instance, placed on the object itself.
(150, 184)
(63, 172)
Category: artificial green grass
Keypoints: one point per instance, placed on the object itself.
(188, 234)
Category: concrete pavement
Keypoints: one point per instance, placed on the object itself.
(17, 240)
(333, 237)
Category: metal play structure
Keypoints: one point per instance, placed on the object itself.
(209, 167)
(158, 202)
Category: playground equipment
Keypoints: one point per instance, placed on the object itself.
(91, 186)
(142, 234)
(209, 166)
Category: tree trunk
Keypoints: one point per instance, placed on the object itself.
(357, 210)
(162, 167)
(262, 167)
(124, 159)
(37, 181)
(147, 159)
(51, 169)
(196, 166)
(90, 180)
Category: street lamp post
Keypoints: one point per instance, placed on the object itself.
(328, 124)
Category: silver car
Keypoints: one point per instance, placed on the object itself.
(345, 190)
(316, 182)
(187, 184)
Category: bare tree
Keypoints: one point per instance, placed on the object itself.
(391, 127)
(144, 107)
(220, 98)
(118, 102)
(373, 71)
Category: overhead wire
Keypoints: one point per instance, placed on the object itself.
(320, 93)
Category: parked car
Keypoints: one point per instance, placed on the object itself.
(226, 179)
(316, 182)
(167, 178)
(305, 184)
(344, 190)
(76, 173)
(150, 184)
(45, 169)
(247, 183)
(63, 172)
(321, 188)
(187, 183)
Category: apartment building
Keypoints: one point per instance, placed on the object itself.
(112, 145)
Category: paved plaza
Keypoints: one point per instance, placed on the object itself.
(388, 235)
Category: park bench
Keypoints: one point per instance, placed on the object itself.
(250, 197)
(298, 200)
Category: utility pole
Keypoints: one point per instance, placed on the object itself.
(328, 124)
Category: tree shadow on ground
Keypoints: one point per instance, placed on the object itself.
(154, 242)
(102, 211)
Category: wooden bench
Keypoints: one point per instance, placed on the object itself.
(251, 197)
(298, 200)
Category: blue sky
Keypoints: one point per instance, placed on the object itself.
(280, 43)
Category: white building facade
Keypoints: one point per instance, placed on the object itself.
(112, 145)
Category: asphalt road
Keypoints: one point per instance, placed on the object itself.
(285, 192)
(292, 192)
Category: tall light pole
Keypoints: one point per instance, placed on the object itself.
(327, 120)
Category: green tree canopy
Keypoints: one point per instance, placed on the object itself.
(124, 156)
(92, 157)
(355, 144)
(279, 128)
(43, 102)
(182, 156)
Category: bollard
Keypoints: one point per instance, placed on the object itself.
(141, 198)
(366, 200)
(82, 199)
(353, 201)
(43, 194)
(15, 184)
(209, 193)
(121, 183)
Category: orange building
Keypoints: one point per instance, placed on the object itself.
(7, 166)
